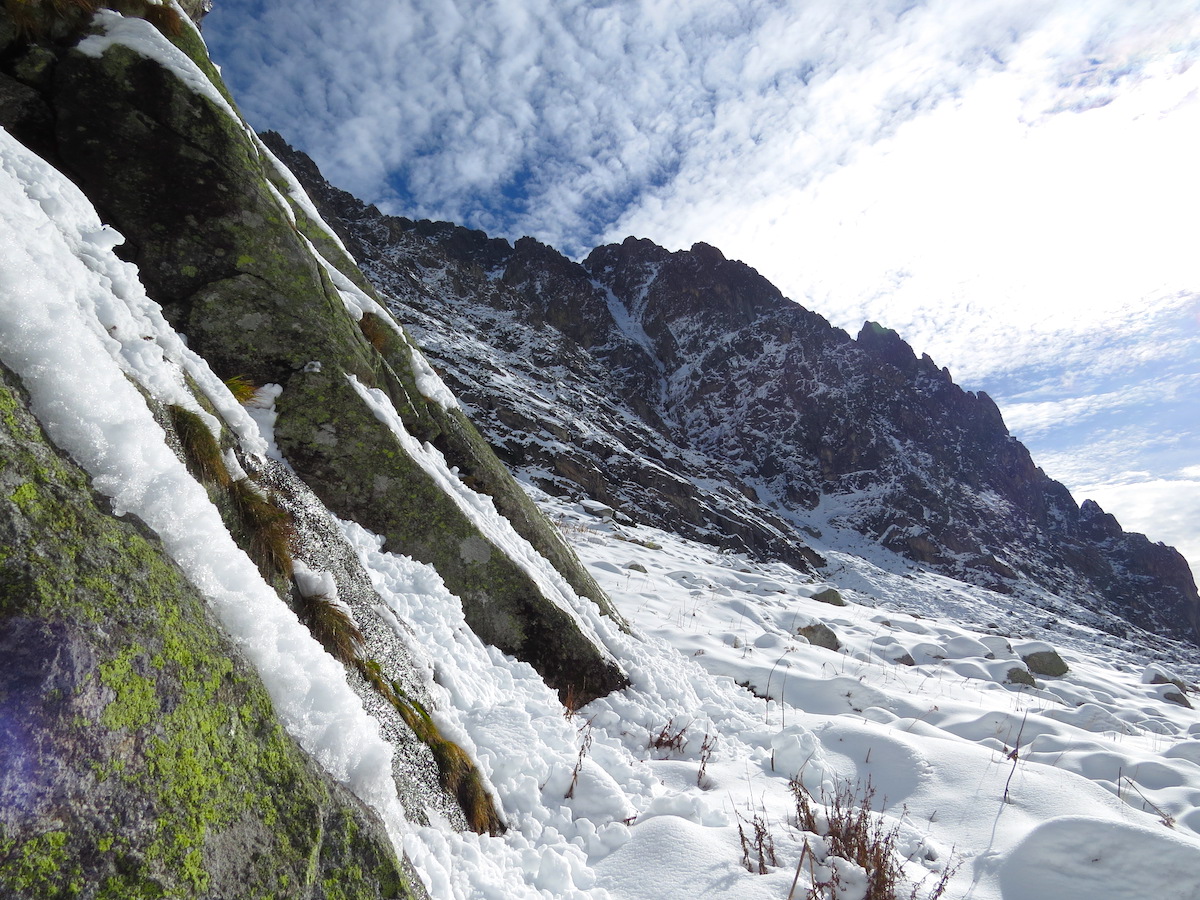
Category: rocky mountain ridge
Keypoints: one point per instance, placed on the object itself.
(685, 391)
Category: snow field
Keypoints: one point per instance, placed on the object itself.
(970, 768)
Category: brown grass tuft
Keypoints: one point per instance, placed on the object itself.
(378, 333)
(456, 771)
(165, 18)
(55, 19)
(201, 452)
(669, 738)
(854, 833)
(268, 528)
(333, 626)
(242, 388)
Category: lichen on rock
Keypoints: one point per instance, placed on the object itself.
(140, 755)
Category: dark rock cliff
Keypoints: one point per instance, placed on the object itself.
(685, 390)
(139, 753)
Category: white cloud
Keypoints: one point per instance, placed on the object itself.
(1029, 419)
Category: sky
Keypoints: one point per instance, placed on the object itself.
(1010, 184)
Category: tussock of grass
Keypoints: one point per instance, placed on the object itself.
(242, 388)
(331, 624)
(854, 833)
(165, 18)
(200, 448)
(378, 333)
(456, 771)
(268, 528)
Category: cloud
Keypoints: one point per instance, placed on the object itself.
(1030, 419)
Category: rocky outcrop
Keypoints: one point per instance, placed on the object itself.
(139, 753)
(199, 201)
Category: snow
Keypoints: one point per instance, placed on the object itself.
(144, 39)
(481, 511)
(76, 326)
(1085, 786)
(296, 194)
(358, 303)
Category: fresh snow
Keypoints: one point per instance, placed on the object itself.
(76, 326)
(1085, 787)
(144, 39)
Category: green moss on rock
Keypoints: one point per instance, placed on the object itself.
(1047, 663)
(139, 754)
(1020, 675)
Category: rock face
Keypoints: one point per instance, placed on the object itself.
(684, 390)
(139, 753)
(196, 198)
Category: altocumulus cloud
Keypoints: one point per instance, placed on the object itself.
(961, 171)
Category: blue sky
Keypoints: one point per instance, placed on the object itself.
(1009, 184)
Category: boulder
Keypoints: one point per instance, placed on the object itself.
(138, 750)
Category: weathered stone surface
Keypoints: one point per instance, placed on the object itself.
(1046, 662)
(1020, 675)
(830, 596)
(820, 635)
(356, 468)
(190, 191)
(140, 755)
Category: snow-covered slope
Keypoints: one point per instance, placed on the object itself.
(1080, 786)
(685, 391)
(731, 757)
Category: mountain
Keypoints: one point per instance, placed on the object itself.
(277, 622)
(685, 391)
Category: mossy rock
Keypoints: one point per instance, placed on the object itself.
(1019, 675)
(140, 755)
(1047, 663)
(831, 596)
(189, 189)
(359, 470)
(821, 635)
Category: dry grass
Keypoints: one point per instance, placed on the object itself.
(267, 526)
(333, 626)
(200, 449)
(669, 738)
(584, 746)
(242, 388)
(758, 852)
(378, 333)
(456, 772)
(55, 19)
(854, 833)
